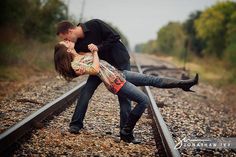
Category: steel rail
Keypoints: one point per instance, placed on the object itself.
(167, 140)
(154, 67)
(11, 135)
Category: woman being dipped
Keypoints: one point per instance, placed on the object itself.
(70, 64)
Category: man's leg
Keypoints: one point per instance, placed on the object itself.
(82, 104)
(125, 104)
(125, 109)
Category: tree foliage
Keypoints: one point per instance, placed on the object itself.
(23, 22)
(149, 47)
(195, 44)
(34, 19)
(212, 25)
(230, 51)
(171, 39)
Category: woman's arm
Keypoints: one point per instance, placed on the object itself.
(89, 69)
(96, 63)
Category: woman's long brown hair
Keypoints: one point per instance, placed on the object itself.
(62, 61)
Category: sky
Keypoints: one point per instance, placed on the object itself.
(138, 20)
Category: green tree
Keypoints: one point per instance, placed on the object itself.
(211, 26)
(36, 19)
(171, 39)
(196, 45)
(13, 11)
(26, 19)
(149, 47)
(230, 51)
(41, 24)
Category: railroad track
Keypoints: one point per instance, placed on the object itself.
(14, 133)
(164, 142)
(11, 135)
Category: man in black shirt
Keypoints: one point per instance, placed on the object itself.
(96, 35)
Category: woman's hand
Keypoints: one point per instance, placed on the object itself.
(92, 47)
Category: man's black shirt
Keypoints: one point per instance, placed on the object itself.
(110, 48)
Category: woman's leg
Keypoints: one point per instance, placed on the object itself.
(135, 94)
(161, 82)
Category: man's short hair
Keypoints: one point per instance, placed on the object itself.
(64, 26)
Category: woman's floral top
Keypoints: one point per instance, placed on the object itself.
(111, 77)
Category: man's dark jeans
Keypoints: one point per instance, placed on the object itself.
(82, 104)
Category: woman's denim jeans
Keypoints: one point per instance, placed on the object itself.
(148, 80)
(133, 93)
